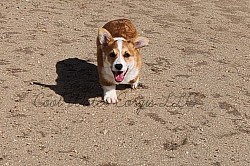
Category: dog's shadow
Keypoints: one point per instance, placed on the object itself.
(77, 81)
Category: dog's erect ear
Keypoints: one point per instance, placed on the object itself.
(141, 42)
(104, 36)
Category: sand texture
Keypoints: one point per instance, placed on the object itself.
(192, 106)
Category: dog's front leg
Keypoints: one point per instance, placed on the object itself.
(135, 84)
(110, 94)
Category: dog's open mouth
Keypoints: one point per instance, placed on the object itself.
(119, 75)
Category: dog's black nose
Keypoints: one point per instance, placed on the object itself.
(118, 66)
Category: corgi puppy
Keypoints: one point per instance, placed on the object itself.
(118, 56)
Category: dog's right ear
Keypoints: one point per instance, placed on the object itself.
(104, 37)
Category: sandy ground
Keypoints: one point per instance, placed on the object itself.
(192, 106)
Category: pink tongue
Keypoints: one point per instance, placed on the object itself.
(119, 76)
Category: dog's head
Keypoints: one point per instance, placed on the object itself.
(119, 53)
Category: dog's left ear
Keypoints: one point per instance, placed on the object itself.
(104, 36)
(141, 42)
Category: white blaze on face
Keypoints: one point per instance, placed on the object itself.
(119, 44)
(120, 59)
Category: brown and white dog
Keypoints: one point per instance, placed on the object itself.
(118, 56)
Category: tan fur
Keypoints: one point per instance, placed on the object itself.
(119, 28)
(122, 28)
(109, 51)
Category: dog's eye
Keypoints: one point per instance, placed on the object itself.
(126, 55)
(112, 54)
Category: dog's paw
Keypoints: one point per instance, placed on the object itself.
(110, 98)
(110, 94)
(135, 84)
